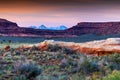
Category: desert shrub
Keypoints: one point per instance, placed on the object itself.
(115, 75)
(89, 67)
(54, 48)
(43, 77)
(73, 63)
(67, 50)
(21, 77)
(63, 77)
(9, 41)
(64, 63)
(60, 56)
(1, 42)
(30, 70)
(34, 48)
(17, 52)
(53, 77)
(112, 61)
(77, 76)
(75, 56)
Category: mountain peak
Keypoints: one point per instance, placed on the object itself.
(7, 24)
(42, 27)
(4, 20)
(62, 27)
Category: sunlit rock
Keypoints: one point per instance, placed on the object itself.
(98, 47)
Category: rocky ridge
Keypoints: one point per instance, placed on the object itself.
(99, 28)
(8, 28)
(98, 48)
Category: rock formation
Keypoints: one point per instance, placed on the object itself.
(8, 28)
(5, 24)
(98, 48)
(100, 28)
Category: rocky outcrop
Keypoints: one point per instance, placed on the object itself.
(98, 48)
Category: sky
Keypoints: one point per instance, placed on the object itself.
(59, 12)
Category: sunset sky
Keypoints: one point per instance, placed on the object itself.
(59, 12)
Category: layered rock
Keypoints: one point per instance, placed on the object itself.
(99, 48)
(100, 28)
(5, 24)
(8, 28)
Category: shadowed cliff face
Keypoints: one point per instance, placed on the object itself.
(100, 28)
(8, 28)
(5, 24)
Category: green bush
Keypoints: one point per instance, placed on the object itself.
(115, 75)
(54, 48)
(30, 70)
(21, 77)
(67, 51)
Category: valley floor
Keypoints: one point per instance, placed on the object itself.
(56, 63)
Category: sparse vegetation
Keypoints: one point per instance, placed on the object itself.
(115, 75)
(56, 63)
(29, 70)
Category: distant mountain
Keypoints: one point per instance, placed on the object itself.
(34, 27)
(42, 27)
(62, 27)
(8, 28)
(38, 27)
